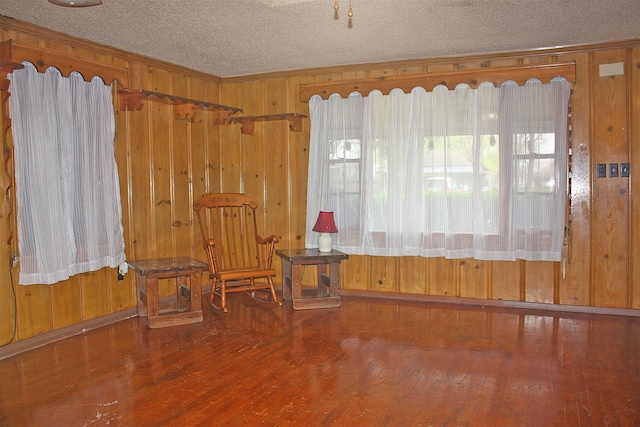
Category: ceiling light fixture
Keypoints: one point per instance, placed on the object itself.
(76, 3)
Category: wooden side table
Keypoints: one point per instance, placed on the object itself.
(328, 264)
(186, 308)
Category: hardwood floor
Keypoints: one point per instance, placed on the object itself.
(367, 363)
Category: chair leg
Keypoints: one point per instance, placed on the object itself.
(273, 291)
(223, 296)
(218, 289)
(212, 293)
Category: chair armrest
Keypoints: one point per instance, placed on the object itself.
(271, 239)
(208, 243)
(209, 247)
(269, 245)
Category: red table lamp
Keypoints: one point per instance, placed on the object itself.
(325, 225)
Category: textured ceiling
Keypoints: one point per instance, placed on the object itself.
(238, 37)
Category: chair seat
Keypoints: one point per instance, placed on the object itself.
(243, 274)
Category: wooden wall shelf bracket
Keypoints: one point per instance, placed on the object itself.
(246, 123)
(132, 100)
(13, 54)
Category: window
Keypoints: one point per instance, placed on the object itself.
(67, 190)
(463, 173)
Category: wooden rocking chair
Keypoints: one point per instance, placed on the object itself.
(239, 259)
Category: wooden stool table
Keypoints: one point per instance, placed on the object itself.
(326, 296)
(186, 308)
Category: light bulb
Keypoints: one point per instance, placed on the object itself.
(350, 13)
(336, 5)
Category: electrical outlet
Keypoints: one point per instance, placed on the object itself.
(613, 170)
(123, 268)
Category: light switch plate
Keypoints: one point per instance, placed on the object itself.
(625, 170)
(602, 170)
(613, 170)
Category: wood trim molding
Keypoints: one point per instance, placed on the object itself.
(478, 302)
(484, 58)
(62, 333)
(473, 77)
(13, 54)
(47, 338)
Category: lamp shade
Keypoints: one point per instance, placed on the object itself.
(325, 223)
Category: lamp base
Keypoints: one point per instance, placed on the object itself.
(325, 243)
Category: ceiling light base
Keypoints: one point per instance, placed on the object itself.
(76, 3)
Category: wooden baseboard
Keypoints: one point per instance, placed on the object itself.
(80, 328)
(71, 330)
(62, 333)
(564, 308)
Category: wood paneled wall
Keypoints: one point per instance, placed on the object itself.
(165, 163)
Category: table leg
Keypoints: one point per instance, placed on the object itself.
(153, 300)
(141, 289)
(286, 280)
(324, 281)
(334, 280)
(296, 282)
(196, 291)
(182, 302)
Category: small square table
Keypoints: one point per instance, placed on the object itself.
(186, 308)
(328, 265)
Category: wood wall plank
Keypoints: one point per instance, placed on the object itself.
(229, 154)
(213, 138)
(355, 273)
(506, 280)
(610, 195)
(539, 282)
(161, 156)
(253, 146)
(276, 160)
(8, 247)
(198, 153)
(572, 289)
(66, 307)
(298, 155)
(34, 310)
(181, 173)
(444, 277)
(139, 183)
(474, 278)
(122, 294)
(95, 293)
(634, 158)
(413, 273)
(384, 274)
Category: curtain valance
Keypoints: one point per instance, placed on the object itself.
(472, 77)
(13, 54)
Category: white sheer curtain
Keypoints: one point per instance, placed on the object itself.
(476, 173)
(67, 192)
